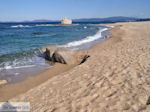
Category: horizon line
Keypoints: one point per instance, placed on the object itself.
(57, 20)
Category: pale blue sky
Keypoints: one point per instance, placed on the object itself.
(19, 10)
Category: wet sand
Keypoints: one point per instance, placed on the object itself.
(11, 90)
(114, 79)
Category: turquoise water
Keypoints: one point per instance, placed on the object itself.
(19, 44)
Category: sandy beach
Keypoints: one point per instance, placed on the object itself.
(116, 77)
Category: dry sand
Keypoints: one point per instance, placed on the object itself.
(116, 78)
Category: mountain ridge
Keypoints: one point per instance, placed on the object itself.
(107, 19)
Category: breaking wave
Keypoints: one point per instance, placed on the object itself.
(88, 39)
(20, 26)
(39, 25)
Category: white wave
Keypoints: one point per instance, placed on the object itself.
(54, 25)
(85, 27)
(20, 26)
(17, 67)
(45, 25)
(38, 25)
(87, 39)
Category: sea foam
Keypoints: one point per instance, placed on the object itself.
(88, 39)
(17, 67)
(20, 26)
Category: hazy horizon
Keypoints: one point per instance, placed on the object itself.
(42, 20)
(23, 10)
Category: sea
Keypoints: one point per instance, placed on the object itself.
(20, 45)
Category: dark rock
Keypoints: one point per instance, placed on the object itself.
(37, 33)
(47, 55)
(56, 57)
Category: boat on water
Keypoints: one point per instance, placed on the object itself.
(66, 21)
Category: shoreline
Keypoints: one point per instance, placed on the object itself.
(16, 73)
(10, 90)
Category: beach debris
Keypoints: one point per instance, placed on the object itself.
(2, 82)
(84, 58)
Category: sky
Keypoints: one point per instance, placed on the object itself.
(20, 10)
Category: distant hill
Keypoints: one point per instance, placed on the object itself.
(42, 20)
(33, 21)
(109, 19)
(84, 20)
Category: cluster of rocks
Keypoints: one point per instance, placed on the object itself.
(64, 56)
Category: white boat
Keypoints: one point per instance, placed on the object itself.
(66, 21)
